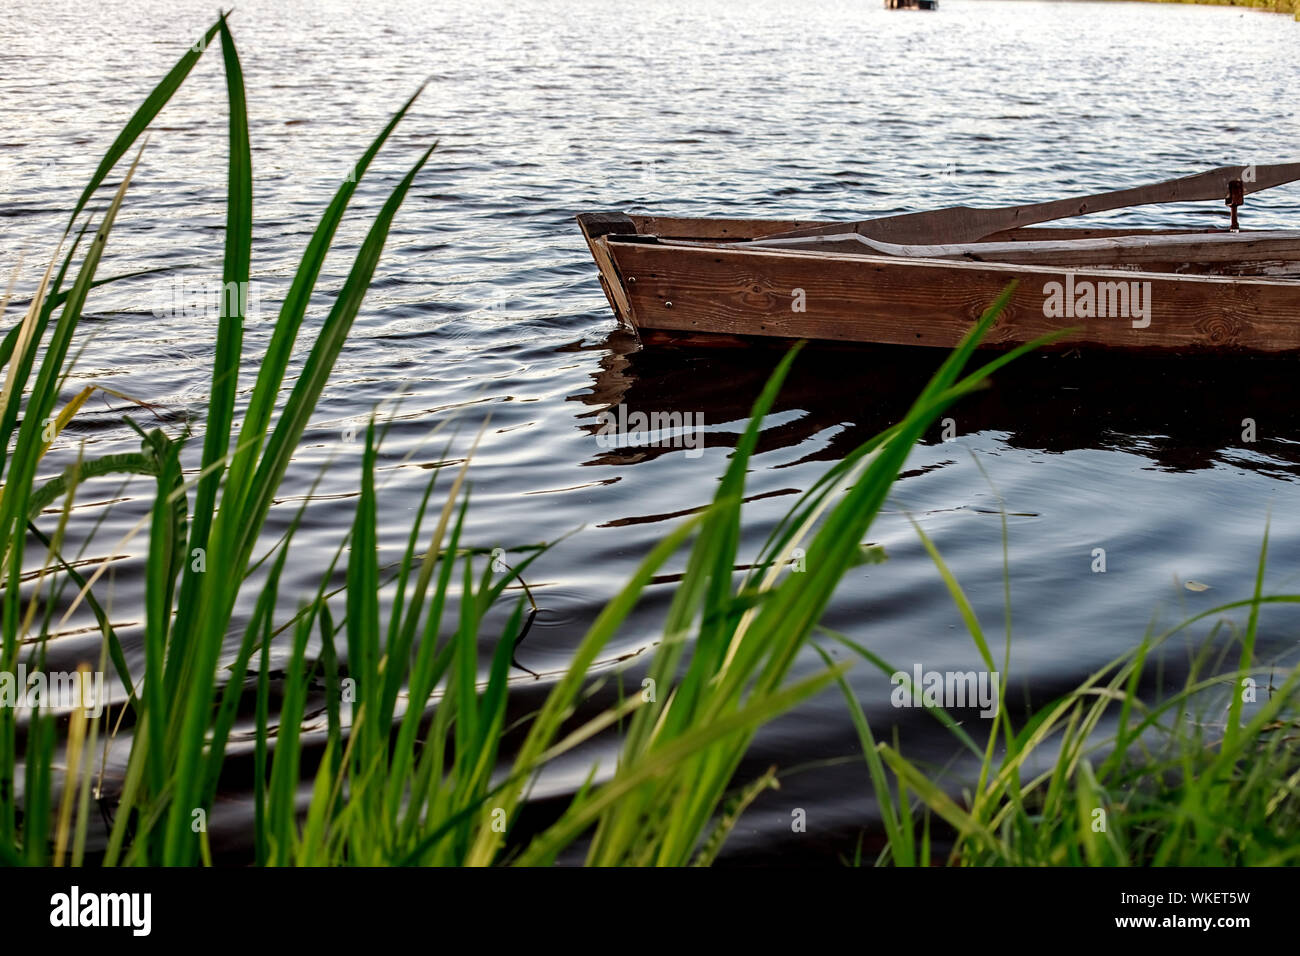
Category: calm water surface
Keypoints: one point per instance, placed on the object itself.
(486, 303)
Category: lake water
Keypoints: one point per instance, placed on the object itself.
(486, 303)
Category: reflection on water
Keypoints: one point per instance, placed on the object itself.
(1182, 413)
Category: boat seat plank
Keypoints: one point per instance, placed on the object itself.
(1225, 247)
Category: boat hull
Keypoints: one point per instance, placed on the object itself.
(734, 291)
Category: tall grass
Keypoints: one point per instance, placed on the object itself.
(410, 769)
(1111, 774)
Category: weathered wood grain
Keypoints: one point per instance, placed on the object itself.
(1215, 247)
(594, 226)
(717, 229)
(721, 230)
(735, 291)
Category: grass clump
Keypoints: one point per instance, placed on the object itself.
(1111, 774)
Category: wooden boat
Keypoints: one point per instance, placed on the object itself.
(925, 278)
(911, 4)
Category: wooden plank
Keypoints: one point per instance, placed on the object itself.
(594, 226)
(597, 224)
(733, 291)
(723, 230)
(1217, 247)
(612, 282)
(718, 229)
(968, 224)
(1038, 233)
